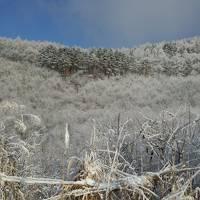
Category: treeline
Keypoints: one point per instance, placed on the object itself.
(95, 61)
(171, 58)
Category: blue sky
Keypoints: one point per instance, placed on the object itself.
(100, 23)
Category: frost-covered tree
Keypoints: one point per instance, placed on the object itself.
(180, 57)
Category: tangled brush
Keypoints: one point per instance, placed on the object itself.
(19, 133)
(103, 173)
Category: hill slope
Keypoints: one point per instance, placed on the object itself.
(171, 58)
(78, 98)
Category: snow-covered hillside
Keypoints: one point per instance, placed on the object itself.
(89, 88)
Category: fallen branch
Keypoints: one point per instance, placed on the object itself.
(90, 186)
(132, 180)
(31, 180)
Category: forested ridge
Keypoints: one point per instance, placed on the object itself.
(170, 58)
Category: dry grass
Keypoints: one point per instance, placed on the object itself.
(105, 173)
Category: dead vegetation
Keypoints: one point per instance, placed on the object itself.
(160, 161)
